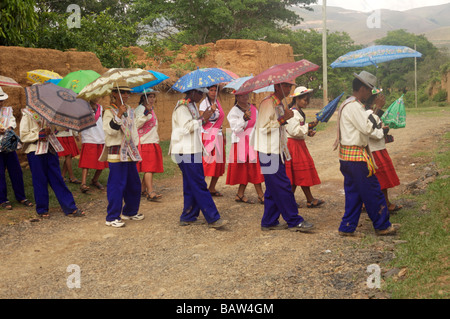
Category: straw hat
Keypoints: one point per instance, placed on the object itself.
(121, 85)
(3, 95)
(301, 90)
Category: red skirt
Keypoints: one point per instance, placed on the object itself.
(243, 173)
(214, 165)
(301, 169)
(386, 172)
(152, 159)
(90, 154)
(70, 146)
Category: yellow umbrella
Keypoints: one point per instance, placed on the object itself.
(40, 76)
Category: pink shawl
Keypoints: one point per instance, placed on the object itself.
(212, 129)
(244, 148)
(147, 127)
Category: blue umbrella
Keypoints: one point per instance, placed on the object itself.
(144, 87)
(325, 114)
(201, 78)
(374, 55)
(54, 81)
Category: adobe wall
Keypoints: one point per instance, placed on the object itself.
(443, 85)
(243, 57)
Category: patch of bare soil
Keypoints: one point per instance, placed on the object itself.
(157, 258)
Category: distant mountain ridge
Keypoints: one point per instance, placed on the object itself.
(365, 27)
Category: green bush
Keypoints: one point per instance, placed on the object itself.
(440, 96)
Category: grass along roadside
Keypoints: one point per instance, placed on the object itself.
(424, 255)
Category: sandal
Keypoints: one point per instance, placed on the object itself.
(74, 181)
(317, 204)
(396, 208)
(26, 203)
(261, 199)
(77, 213)
(153, 198)
(44, 215)
(216, 194)
(84, 188)
(98, 185)
(6, 205)
(243, 200)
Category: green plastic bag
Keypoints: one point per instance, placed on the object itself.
(395, 115)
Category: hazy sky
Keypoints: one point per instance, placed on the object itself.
(370, 5)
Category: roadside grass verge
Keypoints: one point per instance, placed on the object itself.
(425, 232)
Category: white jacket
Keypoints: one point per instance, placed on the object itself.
(186, 130)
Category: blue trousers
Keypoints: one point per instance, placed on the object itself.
(278, 197)
(195, 191)
(123, 190)
(361, 189)
(10, 161)
(45, 171)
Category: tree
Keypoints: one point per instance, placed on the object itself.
(18, 21)
(307, 44)
(99, 33)
(203, 21)
(398, 75)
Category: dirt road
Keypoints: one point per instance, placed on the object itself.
(156, 258)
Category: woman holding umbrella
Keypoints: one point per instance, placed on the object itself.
(92, 144)
(301, 169)
(385, 173)
(213, 139)
(151, 153)
(243, 166)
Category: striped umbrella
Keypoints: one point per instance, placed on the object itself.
(108, 80)
(6, 81)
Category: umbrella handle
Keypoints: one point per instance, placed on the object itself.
(121, 100)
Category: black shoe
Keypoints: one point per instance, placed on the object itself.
(304, 226)
(276, 227)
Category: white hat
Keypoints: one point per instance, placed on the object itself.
(300, 91)
(3, 95)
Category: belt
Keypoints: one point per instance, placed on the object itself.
(115, 149)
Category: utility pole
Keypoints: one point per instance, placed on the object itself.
(415, 76)
(324, 53)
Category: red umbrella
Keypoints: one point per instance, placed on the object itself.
(279, 73)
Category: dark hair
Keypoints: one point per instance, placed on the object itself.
(293, 102)
(143, 99)
(357, 84)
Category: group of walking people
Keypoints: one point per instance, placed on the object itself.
(268, 147)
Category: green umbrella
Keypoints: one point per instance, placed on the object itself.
(77, 80)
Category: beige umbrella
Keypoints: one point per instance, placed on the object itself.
(108, 80)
